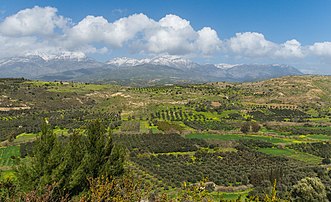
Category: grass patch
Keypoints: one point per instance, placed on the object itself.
(226, 113)
(25, 137)
(177, 153)
(228, 137)
(320, 120)
(234, 195)
(319, 137)
(145, 127)
(77, 88)
(7, 174)
(7, 156)
(209, 115)
(59, 131)
(290, 153)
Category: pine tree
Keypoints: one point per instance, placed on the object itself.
(67, 163)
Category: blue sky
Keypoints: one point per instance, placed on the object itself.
(299, 31)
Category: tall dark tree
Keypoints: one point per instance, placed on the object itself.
(245, 127)
(69, 162)
(255, 127)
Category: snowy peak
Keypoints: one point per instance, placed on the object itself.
(177, 62)
(129, 62)
(21, 59)
(76, 66)
(66, 55)
(172, 61)
(225, 66)
(35, 65)
(42, 59)
(281, 65)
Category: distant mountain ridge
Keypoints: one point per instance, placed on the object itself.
(34, 66)
(167, 60)
(149, 71)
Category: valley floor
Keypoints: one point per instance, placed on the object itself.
(238, 139)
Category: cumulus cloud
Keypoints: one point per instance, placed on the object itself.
(208, 41)
(321, 49)
(42, 30)
(174, 35)
(97, 29)
(291, 48)
(171, 35)
(250, 44)
(176, 23)
(90, 29)
(34, 21)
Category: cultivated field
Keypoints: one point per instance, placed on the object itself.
(238, 137)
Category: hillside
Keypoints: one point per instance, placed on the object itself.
(298, 90)
(241, 136)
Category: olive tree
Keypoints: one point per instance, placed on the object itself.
(309, 189)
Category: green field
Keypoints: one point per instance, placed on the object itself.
(145, 128)
(7, 174)
(7, 157)
(290, 153)
(25, 137)
(76, 87)
(229, 137)
(319, 137)
(234, 195)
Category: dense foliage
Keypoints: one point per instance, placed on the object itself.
(68, 162)
(243, 167)
(209, 125)
(302, 130)
(158, 143)
(309, 189)
(279, 115)
(322, 149)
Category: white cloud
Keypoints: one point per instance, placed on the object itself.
(176, 23)
(208, 41)
(174, 35)
(10, 46)
(27, 45)
(171, 35)
(97, 29)
(127, 28)
(40, 30)
(250, 44)
(34, 21)
(291, 48)
(321, 49)
(90, 29)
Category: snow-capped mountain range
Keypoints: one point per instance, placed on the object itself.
(225, 66)
(76, 66)
(167, 60)
(65, 55)
(43, 58)
(33, 66)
